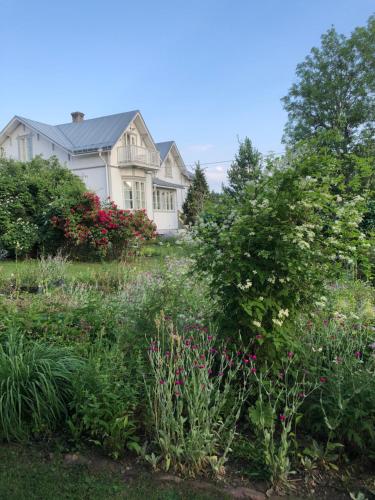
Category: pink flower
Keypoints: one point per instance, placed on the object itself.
(358, 354)
(253, 357)
(282, 418)
(210, 337)
(245, 360)
(220, 374)
(179, 382)
(253, 370)
(290, 354)
(162, 382)
(323, 380)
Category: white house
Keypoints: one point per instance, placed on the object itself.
(114, 155)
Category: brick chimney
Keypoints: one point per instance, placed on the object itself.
(77, 116)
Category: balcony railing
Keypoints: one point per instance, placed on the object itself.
(136, 155)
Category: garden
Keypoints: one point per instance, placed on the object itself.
(233, 360)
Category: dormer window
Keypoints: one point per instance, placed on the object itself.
(168, 168)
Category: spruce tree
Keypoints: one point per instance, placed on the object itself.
(197, 194)
(245, 168)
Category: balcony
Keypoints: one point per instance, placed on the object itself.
(138, 156)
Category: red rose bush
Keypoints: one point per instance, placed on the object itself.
(103, 229)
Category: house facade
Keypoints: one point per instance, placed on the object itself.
(114, 155)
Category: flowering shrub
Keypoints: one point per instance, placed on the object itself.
(103, 229)
(270, 254)
(191, 383)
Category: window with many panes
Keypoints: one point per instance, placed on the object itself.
(164, 200)
(134, 195)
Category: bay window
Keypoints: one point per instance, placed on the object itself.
(164, 200)
(134, 195)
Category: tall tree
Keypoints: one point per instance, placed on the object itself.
(245, 168)
(197, 195)
(335, 89)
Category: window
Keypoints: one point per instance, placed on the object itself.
(134, 195)
(164, 200)
(168, 168)
(25, 147)
(130, 139)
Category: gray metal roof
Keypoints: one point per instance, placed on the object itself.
(97, 133)
(87, 135)
(164, 148)
(165, 184)
(49, 131)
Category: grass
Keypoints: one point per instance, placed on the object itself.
(30, 473)
(153, 257)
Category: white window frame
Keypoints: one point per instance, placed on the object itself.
(164, 200)
(134, 194)
(168, 168)
(25, 147)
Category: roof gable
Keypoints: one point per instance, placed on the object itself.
(164, 148)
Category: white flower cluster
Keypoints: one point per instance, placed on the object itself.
(248, 284)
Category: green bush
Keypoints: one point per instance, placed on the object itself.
(270, 254)
(35, 386)
(30, 193)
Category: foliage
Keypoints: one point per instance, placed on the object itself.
(335, 88)
(35, 386)
(103, 229)
(104, 400)
(196, 197)
(276, 413)
(245, 168)
(341, 352)
(29, 192)
(191, 382)
(270, 253)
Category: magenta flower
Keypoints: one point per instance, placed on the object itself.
(210, 337)
(253, 370)
(162, 382)
(358, 354)
(220, 374)
(245, 360)
(253, 357)
(179, 382)
(323, 380)
(290, 354)
(282, 418)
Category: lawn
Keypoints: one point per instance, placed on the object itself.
(31, 472)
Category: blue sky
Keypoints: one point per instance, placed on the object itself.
(202, 72)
